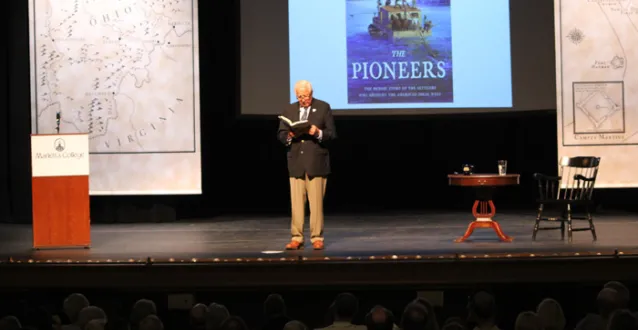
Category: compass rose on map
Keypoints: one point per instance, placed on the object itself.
(576, 36)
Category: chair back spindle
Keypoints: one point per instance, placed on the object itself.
(577, 177)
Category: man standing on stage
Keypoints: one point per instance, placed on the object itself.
(308, 162)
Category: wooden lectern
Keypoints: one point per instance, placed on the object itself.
(60, 190)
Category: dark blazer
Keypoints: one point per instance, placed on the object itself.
(306, 154)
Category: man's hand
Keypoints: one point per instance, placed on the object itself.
(314, 131)
(291, 135)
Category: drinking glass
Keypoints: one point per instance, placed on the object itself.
(502, 167)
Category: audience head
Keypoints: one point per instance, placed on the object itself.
(295, 325)
(623, 293)
(217, 314)
(433, 324)
(345, 307)
(73, 304)
(622, 319)
(274, 306)
(234, 323)
(550, 312)
(482, 308)
(95, 324)
(379, 318)
(528, 321)
(88, 314)
(424, 302)
(151, 322)
(198, 315)
(415, 317)
(141, 310)
(607, 302)
(10, 323)
(591, 322)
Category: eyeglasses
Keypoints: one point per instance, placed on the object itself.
(302, 97)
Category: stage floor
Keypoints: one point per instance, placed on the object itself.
(361, 250)
(361, 236)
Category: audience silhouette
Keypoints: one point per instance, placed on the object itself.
(78, 313)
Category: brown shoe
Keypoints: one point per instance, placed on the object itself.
(294, 245)
(318, 245)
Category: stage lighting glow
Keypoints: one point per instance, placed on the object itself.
(271, 252)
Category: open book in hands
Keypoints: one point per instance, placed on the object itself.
(297, 127)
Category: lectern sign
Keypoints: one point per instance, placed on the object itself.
(59, 155)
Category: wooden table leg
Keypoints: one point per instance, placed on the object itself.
(483, 211)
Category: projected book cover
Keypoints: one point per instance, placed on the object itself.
(399, 51)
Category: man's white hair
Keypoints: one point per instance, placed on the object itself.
(303, 84)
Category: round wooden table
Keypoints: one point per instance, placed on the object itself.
(483, 209)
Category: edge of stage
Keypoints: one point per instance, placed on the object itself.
(308, 272)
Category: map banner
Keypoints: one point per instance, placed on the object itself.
(127, 73)
(597, 85)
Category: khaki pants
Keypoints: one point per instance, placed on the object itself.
(313, 190)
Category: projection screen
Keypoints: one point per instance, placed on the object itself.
(370, 57)
(597, 86)
(126, 73)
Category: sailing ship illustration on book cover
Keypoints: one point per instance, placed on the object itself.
(399, 51)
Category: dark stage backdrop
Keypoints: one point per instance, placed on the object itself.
(397, 163)
(4, 134)
(17, 123)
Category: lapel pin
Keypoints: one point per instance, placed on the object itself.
(314, 110)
